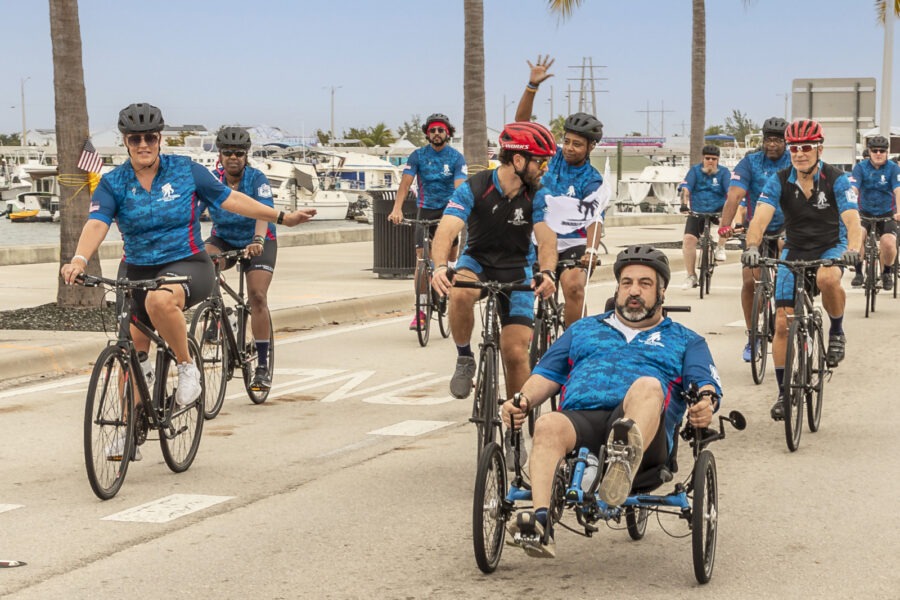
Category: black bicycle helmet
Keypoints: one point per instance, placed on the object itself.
(438, 118)
(585, 125)
(878, 142)
(233, 137)
(710, 150)
(642, 254)
(774, 126)
(140, 118)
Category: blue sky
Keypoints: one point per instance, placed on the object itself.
(273, 61)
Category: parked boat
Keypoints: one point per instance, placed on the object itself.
(35, 207)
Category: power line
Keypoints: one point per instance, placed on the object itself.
(587, 92)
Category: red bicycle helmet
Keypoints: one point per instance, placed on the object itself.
(531, 138)
(803, 130)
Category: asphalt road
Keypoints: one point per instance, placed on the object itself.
(355, 480)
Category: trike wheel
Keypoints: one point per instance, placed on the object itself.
(488, 513)
(257, 395)
(817, 374)
(704, 515)
(179, 435)
(207, 330)
(794, 385)
(636, 521)
(107, 423)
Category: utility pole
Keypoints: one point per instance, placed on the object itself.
(332, 88)
(551, 105)
(662, 119)
(886, 67)
(587, 86)
(786, 95)
(24, 130)
(505, 106)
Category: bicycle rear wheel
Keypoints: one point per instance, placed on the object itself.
(818, 373)
(108, 431)
(704, 268)
(795, 372)
(182, 426)
(759, 332)
(257, 395)
(704, 515)
(442, 307)
(208, 330)
(636, 521)
(424, 307)
(486, 395)
(488, 513)
(870, 285)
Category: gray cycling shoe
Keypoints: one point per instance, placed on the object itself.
(836, 346)
(461, 382)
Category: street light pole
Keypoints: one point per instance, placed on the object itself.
(886, 68)
(332, 88)
(24, 130)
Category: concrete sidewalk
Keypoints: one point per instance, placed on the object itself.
(324, 277)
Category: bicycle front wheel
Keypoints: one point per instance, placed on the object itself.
(795, 384)
(871, 279)
(704, 268)
(488, 513)
(208, 330)
(181, 426)
(257, 395)
(486, 395)
(442, 307)
(817, 374)
(424, 307)
(704, 515)
(759, 333)
(108, 431)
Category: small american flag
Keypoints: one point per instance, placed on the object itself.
(89, 160)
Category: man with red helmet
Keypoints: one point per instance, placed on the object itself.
(821, 220)
(501, 211)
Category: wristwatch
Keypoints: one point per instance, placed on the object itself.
(549, 274)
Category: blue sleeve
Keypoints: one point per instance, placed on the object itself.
(103, 203)
(262, 191)
(699, 367)
(845, 194)
(209, 189)
(771, 193)
(689, 180)
(726, 179)
(742, 174)
(538, 208)
(555, 364)
(460, 173)
(895, 176)
(412, 164)
(461, 202)
(856, 177)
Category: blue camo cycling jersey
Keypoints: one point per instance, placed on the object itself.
(162, 225)
(236, 229)
(436, 173)
(876, 187)
(596, 365)
(574, 193)
(751, 175)
(707, 191)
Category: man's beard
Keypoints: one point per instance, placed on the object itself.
(633, 314)
(710, 170)
(438, 140)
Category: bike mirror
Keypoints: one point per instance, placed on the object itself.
(737, 420)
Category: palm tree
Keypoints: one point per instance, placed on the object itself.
(380, 135)
(475, 146)
(71, 133)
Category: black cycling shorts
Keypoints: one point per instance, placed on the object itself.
(694, 225)
(592, 429)
(429, 214)
(263, 262)
(882, 227)
(198, 267)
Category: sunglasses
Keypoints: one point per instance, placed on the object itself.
(877, 151)
(541, 162)
(773, 140)
(710, 158)
(795, 148)
(135, 139)
(230, 153)
(437, 130)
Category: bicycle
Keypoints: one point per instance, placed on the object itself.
(805, 369)
(487, 396)
(694, 499)
(115, 422)
(429, 303)
(226, 341)
(872, 260)
(762, 313)
(707, 249)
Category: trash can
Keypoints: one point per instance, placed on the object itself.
(395, 245)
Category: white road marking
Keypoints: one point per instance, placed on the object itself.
(338, 331)
(736, 324)
(411, 428)
(390, 384)
(311, 375)
(393, 397)
(8, 507)
(66, 382)
(167, 509)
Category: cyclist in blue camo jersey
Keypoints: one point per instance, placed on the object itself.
(438, 170)
(572, 191)
(154, 199)
(620, 375)
(747, 181)
(704, 189)
(232, 231)
(821, 220)
(877, 181)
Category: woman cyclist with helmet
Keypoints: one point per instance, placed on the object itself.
(501, 210)
(438, 170)
(877, 181)
(821, 220)
(154, 199)
(232, 231)
(572, 190)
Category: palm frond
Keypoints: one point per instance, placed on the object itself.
(566, 7)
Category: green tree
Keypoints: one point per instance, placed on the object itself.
(475, 141)
(740, 125)
(323, 137)
(380, 135)
(557, 127)
(714, 130)
(11, 139)
(412, 131)
(355, 133)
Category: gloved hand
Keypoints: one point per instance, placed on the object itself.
(684, 208)
(750, 257)
(725, 231)
(850, 257)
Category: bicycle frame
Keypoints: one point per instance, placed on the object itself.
(872, 260)
(707, 250)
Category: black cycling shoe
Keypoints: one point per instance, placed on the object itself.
(835, 354)
(777, 410)
(887, 281)
(261, 380)
(858, 279)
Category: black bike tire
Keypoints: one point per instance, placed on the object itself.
(107, 476)
(536, 351)
(896, 267)
(794, 386)
(636, 518)
(488, 513)
(180, 450)
(251, 360)
(443, 312)
(870, 285)
(423, 330)
(759, 335)
(818, 373)
(704, 263)
(490, 394)
(216, 357)
(704, 515)
(710, 264)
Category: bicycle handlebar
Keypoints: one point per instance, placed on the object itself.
(796, 265)
(426, 222)
(133, 284)
(494, 286)
(228, 255)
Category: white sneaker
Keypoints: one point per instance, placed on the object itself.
(720, 254)
(116, 448)
(188, 384)
(690, 282)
